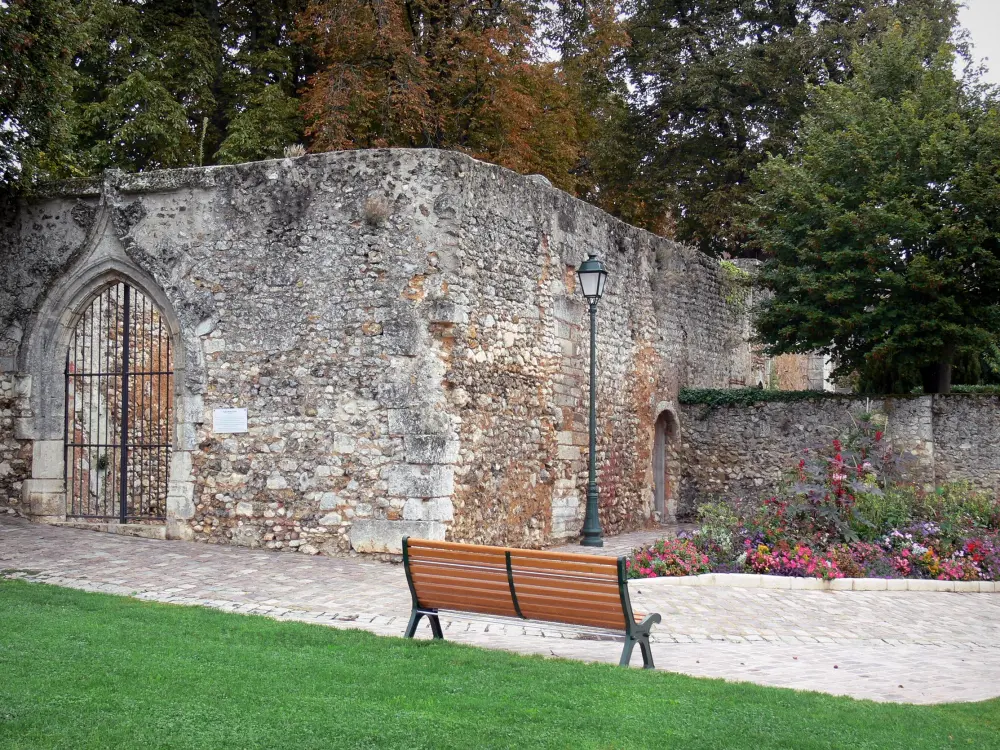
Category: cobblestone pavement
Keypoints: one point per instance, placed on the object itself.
(911, 647)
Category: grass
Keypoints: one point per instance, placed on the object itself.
(81, 670)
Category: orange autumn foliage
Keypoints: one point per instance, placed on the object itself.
(439, 74)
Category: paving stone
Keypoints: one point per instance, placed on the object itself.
(780, 637)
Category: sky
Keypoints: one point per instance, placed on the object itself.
(982, 19)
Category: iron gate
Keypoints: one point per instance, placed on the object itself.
(119, 404)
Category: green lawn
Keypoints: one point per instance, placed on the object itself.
(84, 670)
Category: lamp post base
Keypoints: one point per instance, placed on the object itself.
(592, 534)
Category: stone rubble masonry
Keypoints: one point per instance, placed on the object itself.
(735, 451)
(425, 375)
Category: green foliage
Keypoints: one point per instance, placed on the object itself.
(37, 42)
(984, 390)
(958, 505)
(138, 85)
(718, 86)
(715, 397)
(270, 122)
(737, 285)
(883, 223)
(879, 512)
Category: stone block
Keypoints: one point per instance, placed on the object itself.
(344, 443)
(568, 452)
(809, 584)
(738, 580)
(181, 490)
(408, 480)
(372, 535)
(967, 587)
(47, 459)
(424, 420)
(331, 519)
(895, 584)
(870, 584)
(329, 501)
(180, 466)
(437, 509)
(244, 509)
(445, 311)
(922, 585)
(988, 587)
(430, 449)
(44, 498)
(775, 582)
(842, 584)
(178, 529)
(180, 506)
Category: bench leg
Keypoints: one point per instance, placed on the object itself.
(435, 627)
(627, 651)
(415, 615)
(647, 653)
(411, 627)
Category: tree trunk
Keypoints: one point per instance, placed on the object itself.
(936, 377)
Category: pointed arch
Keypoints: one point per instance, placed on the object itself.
(102, 263)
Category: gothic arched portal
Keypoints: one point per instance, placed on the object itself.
(119, 409)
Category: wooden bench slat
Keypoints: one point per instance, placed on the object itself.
(599, 560)
(442, 599)
(585, 590)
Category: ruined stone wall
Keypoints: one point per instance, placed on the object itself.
(404, 330)
(742, 451)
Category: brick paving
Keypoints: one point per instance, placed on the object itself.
(912, 647)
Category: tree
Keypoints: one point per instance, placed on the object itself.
(441, 74)
(717, 85)
(37, 42)
(882, 225)
(91, 84)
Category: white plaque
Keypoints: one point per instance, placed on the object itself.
(229, 420)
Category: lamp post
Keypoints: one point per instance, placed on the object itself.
(592, 280)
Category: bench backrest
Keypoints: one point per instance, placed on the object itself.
(537, 585)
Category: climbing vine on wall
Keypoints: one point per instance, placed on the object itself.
(736, 285)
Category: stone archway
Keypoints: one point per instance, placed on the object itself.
(666, 465)
(43, 357)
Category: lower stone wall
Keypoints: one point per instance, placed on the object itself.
(15, 455)
(743, 451)
(967, 439)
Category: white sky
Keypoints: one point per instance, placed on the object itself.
(982, 19)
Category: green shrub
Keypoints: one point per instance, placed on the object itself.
(880, 512)
(959, 506)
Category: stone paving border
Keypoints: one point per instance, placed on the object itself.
(754, 581)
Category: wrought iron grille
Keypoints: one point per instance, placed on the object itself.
(119, 405)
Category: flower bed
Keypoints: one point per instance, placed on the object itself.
(843, 513)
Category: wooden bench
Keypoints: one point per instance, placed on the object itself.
(585, 590)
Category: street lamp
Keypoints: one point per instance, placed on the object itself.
(592, 277)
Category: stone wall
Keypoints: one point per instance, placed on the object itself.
(742, 451)
(404, 330)
(15, 455)
(967, 440)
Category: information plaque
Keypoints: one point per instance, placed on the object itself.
(229, 420)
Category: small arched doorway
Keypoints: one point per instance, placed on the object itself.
(119, 404)
(665, 466)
